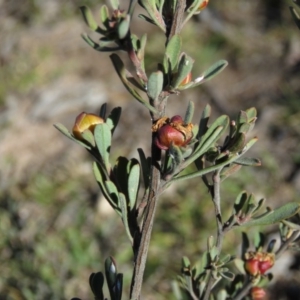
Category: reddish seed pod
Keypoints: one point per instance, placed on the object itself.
(257, 293)
(172, 131)
(265, 265)
(168, 135)
(258, 263)
(252, 266)
(203, 5)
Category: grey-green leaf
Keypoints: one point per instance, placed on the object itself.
(204, 120)
(102, 136)
(133, 185)
(104, 14)
(284, 212)
(123, 207)
(88, 18)
(100, 179)
(113, 119)
(184, 68)
(210, 73)
(112, 191)
(88, 136)
(124, 27)
(207, 170)
(248, 161)
(222, 295)
(189, 112)
(155, 16)
(251, 114)
(115, 4)
(186, 264)
(145, 163)
(215, 69)
(172, 53)
(176, 154)
(120, 68)
(227, 275)
(98, 47)
(65, 131)
(155, 85)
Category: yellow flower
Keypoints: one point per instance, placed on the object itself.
(85, 121)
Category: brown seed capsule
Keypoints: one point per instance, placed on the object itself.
(172, 131)
(85, 122)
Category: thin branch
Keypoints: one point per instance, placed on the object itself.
(244, 291)
(216, 198)
(217, 203)
(142, 239)
(177, 18)
(285, 245)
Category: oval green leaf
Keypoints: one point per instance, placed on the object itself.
(155, 85)
(279, 214)
(65, 132)
(88, 18)
(133, 185)
(102, 136)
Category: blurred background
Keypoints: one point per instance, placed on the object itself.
(55, 227)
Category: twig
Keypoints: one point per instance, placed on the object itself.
(244, 290)
(177, 18)
(284, 246)
(216, 198)
(142, 240)
(217, 204)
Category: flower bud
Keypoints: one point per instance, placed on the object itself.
(257, 293)
(85, 122)
(172, 131)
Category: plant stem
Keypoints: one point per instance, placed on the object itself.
(142, 240)
(177, 18)
(284, 246)
(244, 290)
(217, 203)
(216, 198)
